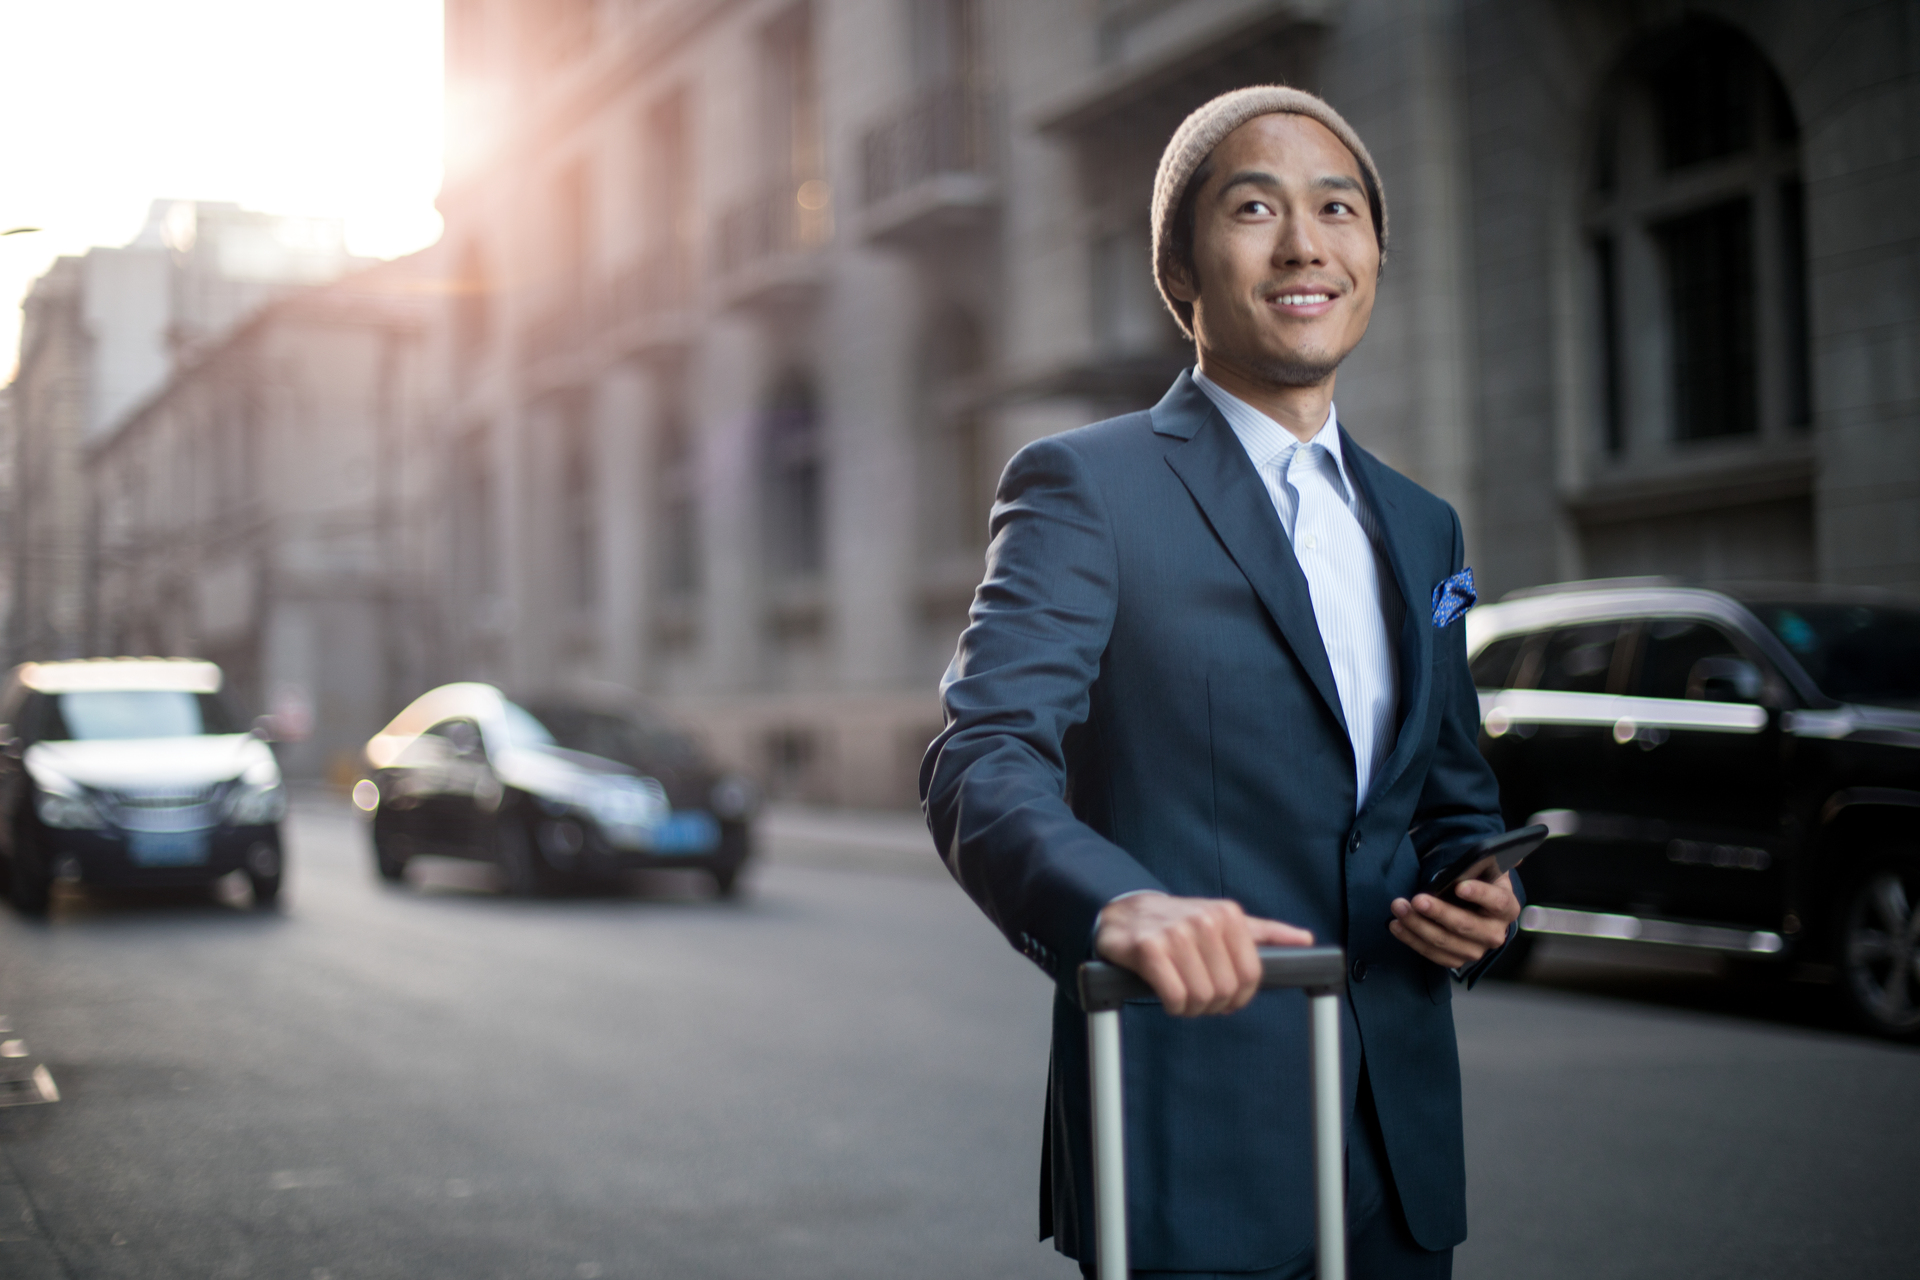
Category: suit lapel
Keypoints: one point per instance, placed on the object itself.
(1217, 472)
(1415, 647)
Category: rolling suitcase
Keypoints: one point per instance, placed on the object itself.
(1322, 972)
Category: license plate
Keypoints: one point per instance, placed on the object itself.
(687, 833)
(167, 848)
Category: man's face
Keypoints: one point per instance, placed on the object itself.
(1284, 249)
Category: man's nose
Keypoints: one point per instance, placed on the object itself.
(1298, 243)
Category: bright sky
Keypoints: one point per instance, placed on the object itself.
(327, 107)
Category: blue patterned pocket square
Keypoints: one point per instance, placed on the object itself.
(1453, 597)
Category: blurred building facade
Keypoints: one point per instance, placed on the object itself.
(104, 331)
(753, 299)
(263, 509)
(743, 304)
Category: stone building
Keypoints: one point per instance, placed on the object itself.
(265, 508)
(102, 332)
(754, 297)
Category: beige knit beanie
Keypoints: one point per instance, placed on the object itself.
(1205, 129)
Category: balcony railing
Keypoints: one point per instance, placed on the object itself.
(790, 218)
(941, 131)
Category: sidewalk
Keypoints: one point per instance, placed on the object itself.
(889, 842)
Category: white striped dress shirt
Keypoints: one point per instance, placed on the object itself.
(1337, 540)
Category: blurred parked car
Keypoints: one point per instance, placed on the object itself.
(553, 793)
(1736, 770)
(130, 772)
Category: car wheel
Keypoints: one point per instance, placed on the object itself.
(1879, 947)
(264, 870)
(29, 883)
(520, 864)
(388, 861)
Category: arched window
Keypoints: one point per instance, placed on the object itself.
(677, 474)
(1697, 246)
(794, 462)
(956, 477)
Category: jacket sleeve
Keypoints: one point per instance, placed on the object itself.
(994, 781)
(1461, 799)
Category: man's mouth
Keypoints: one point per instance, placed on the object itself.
(1303, 302)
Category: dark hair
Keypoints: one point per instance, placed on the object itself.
(1180, 234)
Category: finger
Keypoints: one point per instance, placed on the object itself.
(1466, 922)
(1246, 961)
(1151, 961)
(1435, 943)
(1442, 948)
(1272, 933)
(1184, 950)
(1215, 939)
(1445, 957)
(1459, 932)
(1496, 899)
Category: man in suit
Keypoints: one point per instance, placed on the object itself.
(1203, 704)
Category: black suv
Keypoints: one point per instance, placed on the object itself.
(1734, 769)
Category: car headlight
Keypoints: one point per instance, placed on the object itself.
(257, 798)
(71, 812)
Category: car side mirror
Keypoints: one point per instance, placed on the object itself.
(1724, 680)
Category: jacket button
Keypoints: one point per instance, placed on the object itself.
(1353, 843)
(1359, 970)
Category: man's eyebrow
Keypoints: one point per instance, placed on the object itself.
(1338, 182)
(1261, 178)
(1249, 178)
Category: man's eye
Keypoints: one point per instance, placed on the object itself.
(1256, 207)
(1339, 206)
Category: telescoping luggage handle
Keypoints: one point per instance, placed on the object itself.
(1322, 972)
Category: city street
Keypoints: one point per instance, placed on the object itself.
(838, 1076)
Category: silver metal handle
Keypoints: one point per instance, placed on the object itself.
(1104, 988)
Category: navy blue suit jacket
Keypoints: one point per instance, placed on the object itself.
(1142, 701)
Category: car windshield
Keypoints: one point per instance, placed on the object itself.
(102, 714)
(643, 745)
(1854, 652)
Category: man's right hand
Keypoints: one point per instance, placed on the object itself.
(1200, 955)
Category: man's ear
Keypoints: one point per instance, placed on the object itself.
(1180, 283)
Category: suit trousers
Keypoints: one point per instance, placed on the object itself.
(1379, 1246)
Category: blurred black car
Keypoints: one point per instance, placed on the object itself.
(129, 772)
(1736, 770)
(553, 792)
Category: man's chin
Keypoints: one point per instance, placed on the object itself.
(1296, 369)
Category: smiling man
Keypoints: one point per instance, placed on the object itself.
(1214, 695)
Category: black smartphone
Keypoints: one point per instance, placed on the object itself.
(1487, 859)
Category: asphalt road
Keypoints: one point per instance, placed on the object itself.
(839, 1076)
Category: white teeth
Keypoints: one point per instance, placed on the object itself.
(1303, 299)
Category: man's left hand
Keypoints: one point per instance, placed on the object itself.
(1455, 934)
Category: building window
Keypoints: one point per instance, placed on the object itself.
(470, 524)
(579, 508)
(946, 41)
(956, 466)
(795, 457)
(676, 473)
(668, 216)
(1697, 247)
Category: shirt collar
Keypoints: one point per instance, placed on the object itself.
(1264, 439)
